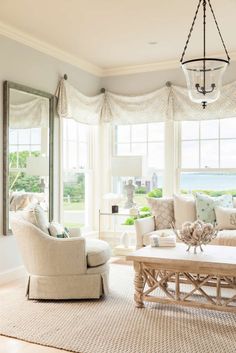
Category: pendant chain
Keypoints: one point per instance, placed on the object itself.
(193, 23)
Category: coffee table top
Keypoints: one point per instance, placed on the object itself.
(213, 256)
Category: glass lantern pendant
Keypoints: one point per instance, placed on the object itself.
(204, 75)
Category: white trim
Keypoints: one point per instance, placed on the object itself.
(26, 39)
(156, 66)
(134, 69)
(12, 275)
(48, 49)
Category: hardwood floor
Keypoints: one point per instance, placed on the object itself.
(12, 345)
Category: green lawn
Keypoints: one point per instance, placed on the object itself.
(73, 206)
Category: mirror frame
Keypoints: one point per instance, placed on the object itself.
(7, 85)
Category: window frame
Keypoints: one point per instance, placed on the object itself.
(206, 170)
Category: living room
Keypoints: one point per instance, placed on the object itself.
(100, 127)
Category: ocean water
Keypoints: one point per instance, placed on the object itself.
(208, 181)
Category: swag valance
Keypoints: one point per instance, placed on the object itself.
(166, 103)
(29, 115)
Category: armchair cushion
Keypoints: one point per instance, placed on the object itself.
(98, 252)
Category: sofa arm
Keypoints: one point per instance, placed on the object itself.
(143, 226)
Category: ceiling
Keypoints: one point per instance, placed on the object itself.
(109, 36)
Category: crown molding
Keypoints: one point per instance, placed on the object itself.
(158, 66)
(30, 41)
(21, 37)
(135, 69)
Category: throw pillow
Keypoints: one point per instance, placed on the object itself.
(184, 210)
(225, 218)
(37, 216)
(58, 231)
(163, 211)
(205, 206)
(19, 201)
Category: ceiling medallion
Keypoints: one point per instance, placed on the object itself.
(204, 75)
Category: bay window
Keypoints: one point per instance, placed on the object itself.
(146, 140)
(208, 155)
(76, 173)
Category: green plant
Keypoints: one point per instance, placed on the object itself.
(155, 193)
(141, 190)
(129, 221)
(145, 209)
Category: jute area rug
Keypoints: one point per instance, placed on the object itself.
(114, 325)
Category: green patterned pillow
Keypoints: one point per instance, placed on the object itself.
(205, 206)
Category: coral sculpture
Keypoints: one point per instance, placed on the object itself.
(196, 234)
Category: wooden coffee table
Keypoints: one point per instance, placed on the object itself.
(215, 268)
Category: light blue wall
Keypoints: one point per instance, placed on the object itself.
(24, 65)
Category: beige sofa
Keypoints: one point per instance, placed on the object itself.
(70, 268)
(145, 227)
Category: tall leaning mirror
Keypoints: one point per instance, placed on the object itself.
(27, 150)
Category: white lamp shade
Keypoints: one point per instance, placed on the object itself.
(127, 166)
(37, 166)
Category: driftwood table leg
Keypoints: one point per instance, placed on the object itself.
(139, 285)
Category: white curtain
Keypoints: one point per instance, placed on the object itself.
(73, 104)
(29, 115)
(166, 103)
(150, 107)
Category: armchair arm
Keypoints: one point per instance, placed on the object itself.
(48, 256)
(143, 226)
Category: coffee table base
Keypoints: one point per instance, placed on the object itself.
(149, 277)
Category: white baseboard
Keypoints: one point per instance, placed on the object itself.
(12, 275)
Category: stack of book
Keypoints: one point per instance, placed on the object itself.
(163, 240)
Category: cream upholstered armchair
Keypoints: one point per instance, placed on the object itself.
(69, 268)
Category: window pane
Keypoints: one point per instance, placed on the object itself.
(190, 154)
(190, 130)
(35, 148)
(83, 132)
(209, 154)
(207, 181)
(74, 199)
(228, 154)
(72, 155)
(12, 137)
(123, 133)
(156, 132)
(36, 136)
(156, 155)
(139, 149)
(209, 129)
(24, 136)
(72, 127)
(139, 133)
(228, 128)
(123, 149)
(83, 155)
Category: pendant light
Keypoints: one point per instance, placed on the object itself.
(204, 75)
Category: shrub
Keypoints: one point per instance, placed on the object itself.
(145, 209)
(129, 221)
(155, 193)
(141, 190)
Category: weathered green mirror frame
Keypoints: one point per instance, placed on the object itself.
(7, 85)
